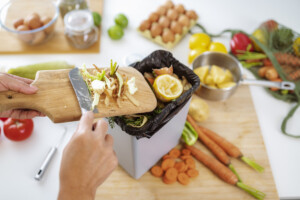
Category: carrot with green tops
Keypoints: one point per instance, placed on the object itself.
(230, 148)
(223, 172)
(211, 145)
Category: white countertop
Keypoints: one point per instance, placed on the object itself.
(20, 161)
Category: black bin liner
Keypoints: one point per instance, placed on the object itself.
(156, 60)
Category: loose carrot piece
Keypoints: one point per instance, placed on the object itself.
(166, 181)
(183, 179)
(185, 152)
(185, 157)
(167, 156)
(190, 163)
(228, 147)
(171, 174)
(215, 149)
(223, 172)
(157, 171)
(180, 166)
(192, 173)
(167, 163)
(175, 153)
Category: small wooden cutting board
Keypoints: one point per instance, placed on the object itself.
(57, 99)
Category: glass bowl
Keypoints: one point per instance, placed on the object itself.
(32, 21)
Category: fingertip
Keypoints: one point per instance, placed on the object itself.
(102, 126)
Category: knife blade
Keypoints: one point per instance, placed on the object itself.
(81, 90)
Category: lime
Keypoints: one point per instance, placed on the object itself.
(121, 20)
(115, 32)
(97, 18)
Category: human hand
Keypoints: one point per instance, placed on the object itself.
(21, 85)
(87, 160)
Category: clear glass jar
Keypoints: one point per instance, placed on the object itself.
(80, 29)
(66, 6)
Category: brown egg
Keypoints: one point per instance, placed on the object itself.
(25, 37)
(169, 4)
(168, 36)
(172, 14)
(145, 25)
(176, 27)
(156, 30)
(154, 17)
(164, 22)
(191, 14)
(39, 37)
(184, 20)
(18, 22)
(33, 21)
(162, 10)
(179, 8)
(45, 20)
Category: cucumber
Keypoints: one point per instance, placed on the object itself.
(29, 71)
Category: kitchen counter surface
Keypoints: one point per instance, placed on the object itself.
(20, 161)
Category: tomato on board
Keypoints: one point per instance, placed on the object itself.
(18, 129)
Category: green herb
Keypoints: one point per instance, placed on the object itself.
(136, 121)
(113, 68)
(111, 122)
(281, 40)
(157, 110)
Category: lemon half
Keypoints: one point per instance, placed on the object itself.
(167, 87)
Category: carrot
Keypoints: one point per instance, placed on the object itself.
(231, 149)
(190, 163)
(167, 156)
(185, 157)
(287, 59)
(192, 173)
(157, 171)
(216, 150)
(185, 152)
(171, 174)
(295, 74)
(223, 172)
(175, 153)
(166, 181)
(267, 62)
(183, 179)
(167, 163)
(180, 166)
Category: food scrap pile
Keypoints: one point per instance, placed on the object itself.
(107, 84)
(168, 24)
(167, 87)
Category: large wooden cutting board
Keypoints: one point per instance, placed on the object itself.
(236, 120)
(10, 44)
(56, 97)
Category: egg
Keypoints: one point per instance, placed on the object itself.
(33, 21)
(162, 10)
(176, 27)
(156, 30)
(145, 25)
(179, 8)
(169, 4)
(39, 37)
(45, 20)
(154, 17)
(172, 14)
(164, 22)
(25, 37)
(191, 14)
(184, 20)
(18, 22)
(168, 36)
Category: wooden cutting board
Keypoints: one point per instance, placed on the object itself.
(57, 99)
(10, 44)
(234, 119)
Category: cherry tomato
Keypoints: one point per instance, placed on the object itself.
(218, 47)
(18, 129)
(199, 40)
(240, 42)
(3, 119)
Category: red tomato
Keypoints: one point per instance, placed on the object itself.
(3, 119)
(18, 129)
(240, 42)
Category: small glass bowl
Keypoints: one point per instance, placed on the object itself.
(18, 9)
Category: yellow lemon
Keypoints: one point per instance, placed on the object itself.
(199, 40)
(167, 87)
(218, 47)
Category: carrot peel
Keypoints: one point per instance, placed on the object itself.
(252, 164)
(255, 193)
(235, 172)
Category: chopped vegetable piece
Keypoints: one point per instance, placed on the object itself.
(171, 174)
(167, 163)
(157, 171)
(180, 166)
(175, 153)
(183, 179)
(192, 173)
